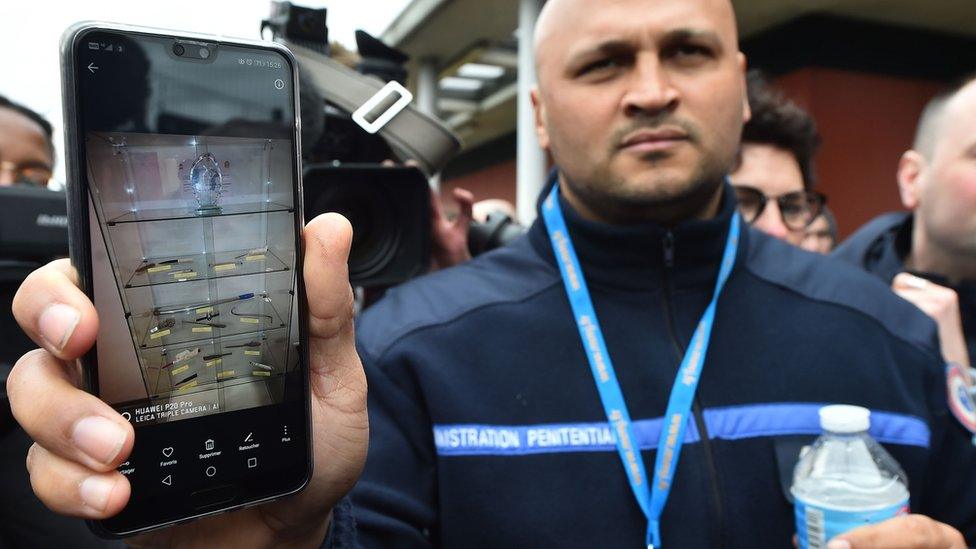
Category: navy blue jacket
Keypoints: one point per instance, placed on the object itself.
(881, 246)
(487, 429)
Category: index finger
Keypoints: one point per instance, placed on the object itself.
(54, 313)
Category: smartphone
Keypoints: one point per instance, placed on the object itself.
(185, 216)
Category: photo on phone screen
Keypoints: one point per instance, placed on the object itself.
(187, 151)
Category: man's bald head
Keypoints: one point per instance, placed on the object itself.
(559, 15)
(935, 180)
(930, 124)
(640, 103)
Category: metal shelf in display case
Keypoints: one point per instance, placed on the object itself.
(211, 363)
(204, 321)
(170, 270)
(195, 274)
(175, 214)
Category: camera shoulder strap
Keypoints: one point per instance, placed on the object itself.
(411, 133)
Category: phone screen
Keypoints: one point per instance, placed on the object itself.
(189, 159)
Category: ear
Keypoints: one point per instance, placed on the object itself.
(911, 167)
(539, 111)
(743, 66)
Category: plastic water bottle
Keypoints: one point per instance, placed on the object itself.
(845, 479)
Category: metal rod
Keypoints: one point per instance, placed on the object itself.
(187, 308)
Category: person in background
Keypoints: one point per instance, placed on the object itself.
(26, 147)
(773, 174)
(820, 236)
(449, 233)
(928, 254)
(26, 158)
(483, 208)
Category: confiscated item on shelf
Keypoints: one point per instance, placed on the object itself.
(234, 312)
(255, 251)
(207, 183)
(183, 356)
(187, 308)
(147, 266)
(186, 379)
(208, 324)
(163, 325)
(251, 343)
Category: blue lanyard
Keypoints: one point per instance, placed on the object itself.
(650, 497)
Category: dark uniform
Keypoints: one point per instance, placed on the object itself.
(881, 246)
(487, 429)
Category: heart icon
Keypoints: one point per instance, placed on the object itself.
(168, 451)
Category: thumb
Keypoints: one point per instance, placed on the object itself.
(327, 240)
(901, 532)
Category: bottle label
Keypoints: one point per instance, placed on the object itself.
(816, 525)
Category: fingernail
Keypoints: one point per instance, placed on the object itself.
(57, 323)
(916, 282)
(839, 544)
(98, 437)
(95, 492)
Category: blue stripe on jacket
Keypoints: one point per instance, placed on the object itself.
(731, 423)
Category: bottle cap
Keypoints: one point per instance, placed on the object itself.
(842, 418)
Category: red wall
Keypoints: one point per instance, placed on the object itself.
(867, 121)
(497, 181)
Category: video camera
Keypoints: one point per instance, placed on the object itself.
(345, 171)
(33, 231)
(388, 207)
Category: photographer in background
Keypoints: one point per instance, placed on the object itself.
(26, 149)
(26, 158)
(476, 228)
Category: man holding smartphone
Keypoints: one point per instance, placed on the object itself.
(641, 104)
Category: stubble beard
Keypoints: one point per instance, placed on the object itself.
(656, 198)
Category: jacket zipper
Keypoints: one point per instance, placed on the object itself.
(679, 349)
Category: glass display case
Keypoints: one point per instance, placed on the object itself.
(199, 233)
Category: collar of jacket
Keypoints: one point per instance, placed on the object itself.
(633, 257)
(887, 258)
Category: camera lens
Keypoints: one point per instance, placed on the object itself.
(178, 49)
(204, 53)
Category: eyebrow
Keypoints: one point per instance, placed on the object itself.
(617, 46)
(34, 164)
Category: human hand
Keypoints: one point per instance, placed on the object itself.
(942, 305)
(905, 532)
(80, 440)
(450, 245)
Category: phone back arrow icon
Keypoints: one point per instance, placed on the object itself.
(92, 67)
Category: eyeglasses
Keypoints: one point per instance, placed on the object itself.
(26, 175)
(797, 209)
